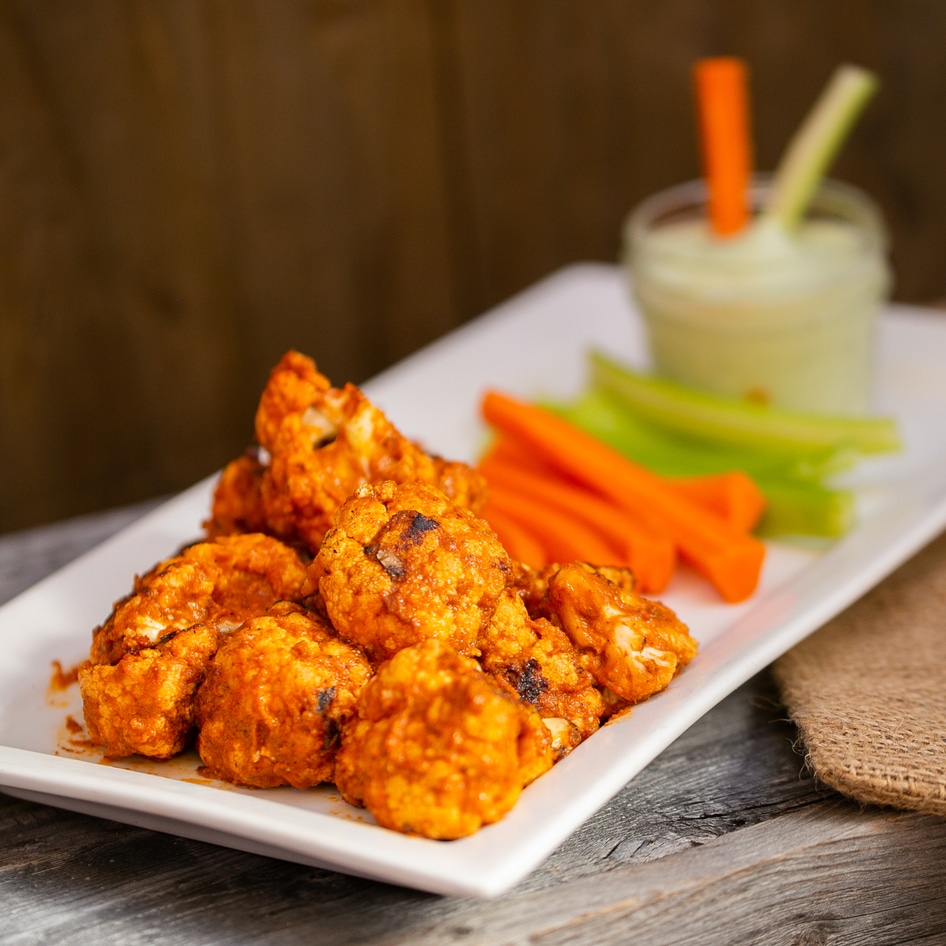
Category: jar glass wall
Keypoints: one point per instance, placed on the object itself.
(787, 319)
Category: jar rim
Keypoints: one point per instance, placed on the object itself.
(833, 199)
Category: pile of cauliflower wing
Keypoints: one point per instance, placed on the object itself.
(349, 618)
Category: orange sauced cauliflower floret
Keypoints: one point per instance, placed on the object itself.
(322, 442)
(223, 581)
(278, 691)
(238, 497)
(149, 658)
(463, 484)
(632, 645)
(402, 564)
(532, 584)
(537, 662)
(437, 747)
(144, 704)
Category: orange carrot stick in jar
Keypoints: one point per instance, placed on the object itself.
(726, 143)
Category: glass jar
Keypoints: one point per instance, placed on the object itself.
(786, 319)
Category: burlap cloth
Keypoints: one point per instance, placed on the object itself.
(868, 690)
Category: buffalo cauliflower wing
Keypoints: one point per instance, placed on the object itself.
(632, 645)
(323, 442)
(437, 748)
(403, 563)
(532, 584)
(149, 658)
(145, 704)
(237, 504)
(277, 694)
(537, 662)
(223, 581)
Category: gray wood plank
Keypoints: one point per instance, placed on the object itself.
(735, 767)
(824, 874)
(28, 555)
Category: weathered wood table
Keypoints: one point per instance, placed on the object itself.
(723, 839)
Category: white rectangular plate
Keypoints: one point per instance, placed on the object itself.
(534, 344)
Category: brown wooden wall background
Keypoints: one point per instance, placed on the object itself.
(189, 187)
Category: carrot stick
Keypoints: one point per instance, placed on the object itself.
(516, 538)
(508, 453)
(723, 113)
(649, 554)
(564, 539)
(733, 495)
(729, 558)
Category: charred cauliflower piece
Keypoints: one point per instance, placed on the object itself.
(537, 662)
(402, 564)
(145, 703)
(632, 645)
(149, 658)
(222, 582)
(278, 691)
(324, 442)
(532, 584)
(437, 748)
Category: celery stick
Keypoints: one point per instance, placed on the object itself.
(600, 414)
(710, 417)
(797, 504)
(805, 508)
(815, 144)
